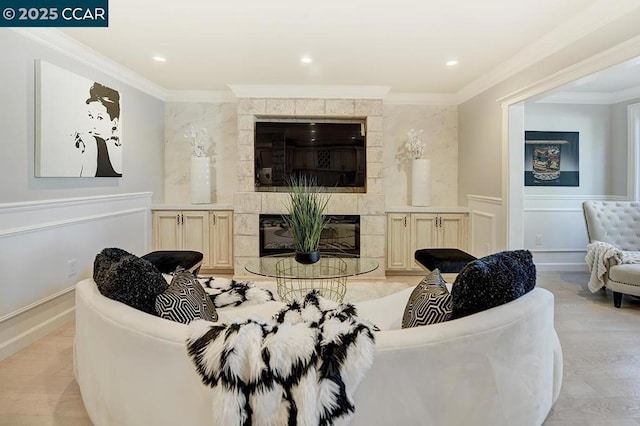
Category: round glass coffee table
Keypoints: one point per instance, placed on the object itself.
(328, 275)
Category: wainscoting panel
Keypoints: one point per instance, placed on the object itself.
(485, 225)
(483, 239)
(555, 231)
(50, 245)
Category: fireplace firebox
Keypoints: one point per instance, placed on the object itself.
(341, 235)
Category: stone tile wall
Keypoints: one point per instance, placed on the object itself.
(248, 204)
(220, 121)
(440, 125)
(231, 127)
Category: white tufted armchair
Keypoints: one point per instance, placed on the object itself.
(616, 223)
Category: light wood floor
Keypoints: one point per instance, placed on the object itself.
(601, 348)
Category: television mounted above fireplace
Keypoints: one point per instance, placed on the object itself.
(332, 151)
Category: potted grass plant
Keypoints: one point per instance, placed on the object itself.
(306, 218)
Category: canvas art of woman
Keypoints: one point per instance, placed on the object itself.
(100, 144)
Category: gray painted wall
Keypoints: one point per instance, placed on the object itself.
(58, 233)
(602, 159)
(143, 130)
(480, 126)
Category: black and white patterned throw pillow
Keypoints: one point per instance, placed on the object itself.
(185, 300)
(429, 303)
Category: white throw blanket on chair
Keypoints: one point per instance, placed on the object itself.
(302, 367)
(598, 256)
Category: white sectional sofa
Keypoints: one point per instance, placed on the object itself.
(502, 366)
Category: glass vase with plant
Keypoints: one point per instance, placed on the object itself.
(306, 218)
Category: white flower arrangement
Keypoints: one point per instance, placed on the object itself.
(198, 139)
(413, 145)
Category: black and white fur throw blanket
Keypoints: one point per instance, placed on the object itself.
(300, 368)
(228, 292)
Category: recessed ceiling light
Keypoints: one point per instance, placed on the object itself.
(306, 60)
(451, 62)
(160, 59)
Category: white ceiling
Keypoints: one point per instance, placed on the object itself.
(404, 44)
(615, 79)
(615, 84)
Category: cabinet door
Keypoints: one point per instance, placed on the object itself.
(349, 160)
(166, 230)
(311, 159)
(304, 159)
(222, 239)
(423, 235)
(343, 159)
(195, 233)
(397, 242)
(452, 232)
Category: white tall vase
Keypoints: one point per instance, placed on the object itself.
(420, 182)
(200, 180)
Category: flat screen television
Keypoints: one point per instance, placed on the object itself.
(331, 151)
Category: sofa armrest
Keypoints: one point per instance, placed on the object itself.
(558, 367)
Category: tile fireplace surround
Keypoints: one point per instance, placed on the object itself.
(248, 204)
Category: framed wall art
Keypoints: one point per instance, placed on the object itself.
(78, 125)
(551, 159)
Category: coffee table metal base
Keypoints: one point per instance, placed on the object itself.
(294, 280)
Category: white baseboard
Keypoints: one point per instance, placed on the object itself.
(22, 330)
(561, 267)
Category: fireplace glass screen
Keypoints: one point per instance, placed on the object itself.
(341, 235)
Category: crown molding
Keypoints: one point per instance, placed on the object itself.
(397, 98)
(309, 91)
(592, 18)
(204, 96)
(593, 98)
(68, 46)
(400, 98)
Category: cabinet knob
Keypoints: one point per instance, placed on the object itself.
(405, 221)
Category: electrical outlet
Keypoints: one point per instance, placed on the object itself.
(538, 240)
(72, 267)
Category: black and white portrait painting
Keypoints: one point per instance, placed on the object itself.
(78, 125)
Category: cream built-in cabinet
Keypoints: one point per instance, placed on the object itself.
(221, 244)
(207, 231)
(410, 231)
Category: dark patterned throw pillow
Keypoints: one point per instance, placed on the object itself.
(122, 276)
(429, 303)
(492, 281)
(185, 300)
